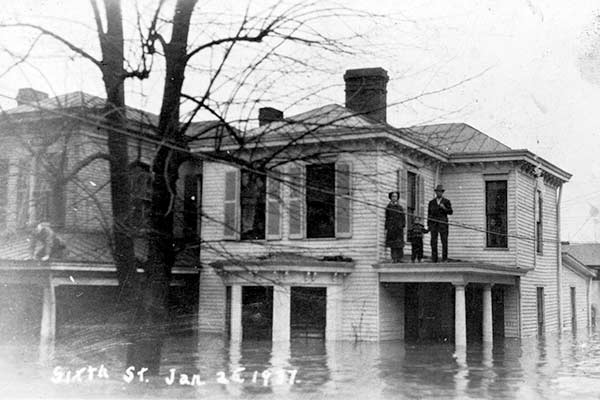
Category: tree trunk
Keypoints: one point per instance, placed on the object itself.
(112, 74)
(152, 316)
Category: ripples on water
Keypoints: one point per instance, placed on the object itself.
(567, 367)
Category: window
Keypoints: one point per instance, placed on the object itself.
(321, 207)
(252, 205)
(411, 187)
(187, 202)
(496, 213)
(320, 200)
(540, 310)
(411, 197)
(22, 214)
(47, 195)
(140, 183)
(4, 166)
(253, 190)
(539, 224)
(319, 203)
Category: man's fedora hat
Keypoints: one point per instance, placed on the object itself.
(439, 188)
(391, 193)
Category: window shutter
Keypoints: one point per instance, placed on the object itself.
(296, 201)
(420, 209)
(401, 185)
(343, 200)
(231, 219)
(273, 207)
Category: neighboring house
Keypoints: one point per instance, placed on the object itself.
(299, 250)
(587, 254)
(48, 175)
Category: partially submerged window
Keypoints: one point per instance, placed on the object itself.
(252, 202)
(496, 213)
(320, 200)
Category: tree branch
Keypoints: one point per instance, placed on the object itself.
(84, 163)
(263, 33)
(57, 37)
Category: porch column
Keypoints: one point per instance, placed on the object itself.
(488, 333)
(460, 318)
(48, 325)
(334, 300)
(281, 313)
(236, 313)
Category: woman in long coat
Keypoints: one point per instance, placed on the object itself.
(395, 221)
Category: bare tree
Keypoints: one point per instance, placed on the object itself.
(165, 39)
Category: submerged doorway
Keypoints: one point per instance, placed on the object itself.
(308, 312)
(429, 312)
(257, 312)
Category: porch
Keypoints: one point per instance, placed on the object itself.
(282, 296)
(40, 288)
(444, 301)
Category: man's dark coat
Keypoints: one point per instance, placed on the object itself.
(437, 217)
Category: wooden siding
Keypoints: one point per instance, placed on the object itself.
(87, 196)
(511, 311)
(359, 302)
(545, 265)
(387, 168)
(595, 298)
(571, 279)
(465, 188)
(391, 311)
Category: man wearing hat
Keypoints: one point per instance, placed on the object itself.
(437, 222)
(395, 221)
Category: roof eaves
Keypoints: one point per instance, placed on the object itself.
(511, 155)
(577, 266)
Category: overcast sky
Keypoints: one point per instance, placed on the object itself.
(529, 74)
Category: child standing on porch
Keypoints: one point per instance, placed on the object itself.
(415, 236)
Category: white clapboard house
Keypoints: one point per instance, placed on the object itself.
(297, 249)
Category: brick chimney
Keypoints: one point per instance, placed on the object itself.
(268, 114)
(366, 92)
(30, 96)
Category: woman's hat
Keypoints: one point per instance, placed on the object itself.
(439, 188)
(391, 193)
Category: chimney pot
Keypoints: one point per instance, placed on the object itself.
(27, 96)
(366, 92)
(267, 115)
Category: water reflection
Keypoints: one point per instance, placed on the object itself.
(567, 366)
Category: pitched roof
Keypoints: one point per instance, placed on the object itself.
(447, 138)
(587, 253)
(324, 119)
(79, 100)
(456, 138)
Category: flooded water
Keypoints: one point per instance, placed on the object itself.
(566, 367)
